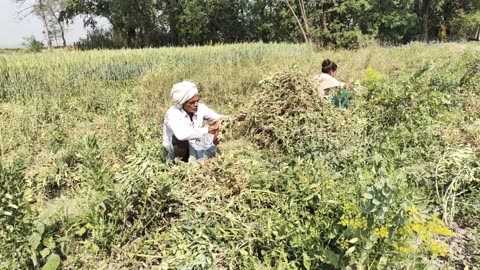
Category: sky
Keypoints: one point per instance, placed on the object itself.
(13, 30)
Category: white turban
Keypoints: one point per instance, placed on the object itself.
(182, 92)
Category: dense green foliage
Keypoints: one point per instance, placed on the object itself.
(464, 25)
(392, 181)
(330, 23)
(33, 45)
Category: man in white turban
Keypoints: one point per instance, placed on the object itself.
(184, 135)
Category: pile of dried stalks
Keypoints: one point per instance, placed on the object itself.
(288, 109)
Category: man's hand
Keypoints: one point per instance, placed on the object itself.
(216, 140)
(241, 116)
(215, 127)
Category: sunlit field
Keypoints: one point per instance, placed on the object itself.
(391, 182)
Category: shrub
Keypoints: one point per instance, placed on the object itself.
(352, 39)
(471, 79)
(287, 110)
(465, 26)
(387, 225)
(100, 39)
(33, 45)
(16, 217)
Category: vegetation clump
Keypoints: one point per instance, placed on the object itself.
(471, 79)
(288, 110)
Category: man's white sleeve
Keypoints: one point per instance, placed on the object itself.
(183, 131)
(210, 114)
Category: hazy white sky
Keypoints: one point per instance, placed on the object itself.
(13, 30)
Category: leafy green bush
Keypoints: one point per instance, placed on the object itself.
(302, 215)
(387, 225)
(33, 45)
(342, 39)
(465, 26)
(471, 79)
(26, 242)
(100, 39)
(16, 217)
(372, 78)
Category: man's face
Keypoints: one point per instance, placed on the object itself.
(191, 106)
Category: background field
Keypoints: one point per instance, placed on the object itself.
(84, 182)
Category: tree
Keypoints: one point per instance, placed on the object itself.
(337, 23)
(39, 9)
(271, 21)
(394, 21)
(428, 9)
(302, 24)
(49, 13)
(53, 10)
(134, 21)
(203, 21)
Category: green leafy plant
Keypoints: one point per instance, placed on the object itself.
(16, 216)
(33, 45)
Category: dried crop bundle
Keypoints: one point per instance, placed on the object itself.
(287, 110)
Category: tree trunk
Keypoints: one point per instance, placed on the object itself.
(131, 38)
(428, 6)
(43, 16)
(327, 9)
(305, 20)
(60, 25)
(62, 33)
(425, 18)
(324, 17)
(298, 21)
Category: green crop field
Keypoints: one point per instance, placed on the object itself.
(392, 182)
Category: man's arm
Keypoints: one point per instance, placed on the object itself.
(209, 114)
(184, 132)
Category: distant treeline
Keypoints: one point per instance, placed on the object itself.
(330, 23)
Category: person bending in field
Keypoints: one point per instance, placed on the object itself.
(184, 135)
(327, 82)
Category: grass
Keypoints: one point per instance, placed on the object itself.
(86, 127)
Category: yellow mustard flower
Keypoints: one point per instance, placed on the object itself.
(420, 229)
(402, 248)
(344, 220)
(439, 248)
(436, 226)
(350, 207)
(354, 223)
(413, 210)
(382, 232)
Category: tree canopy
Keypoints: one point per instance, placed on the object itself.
(336, 23)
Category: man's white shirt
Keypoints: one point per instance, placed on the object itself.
(177, 122)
